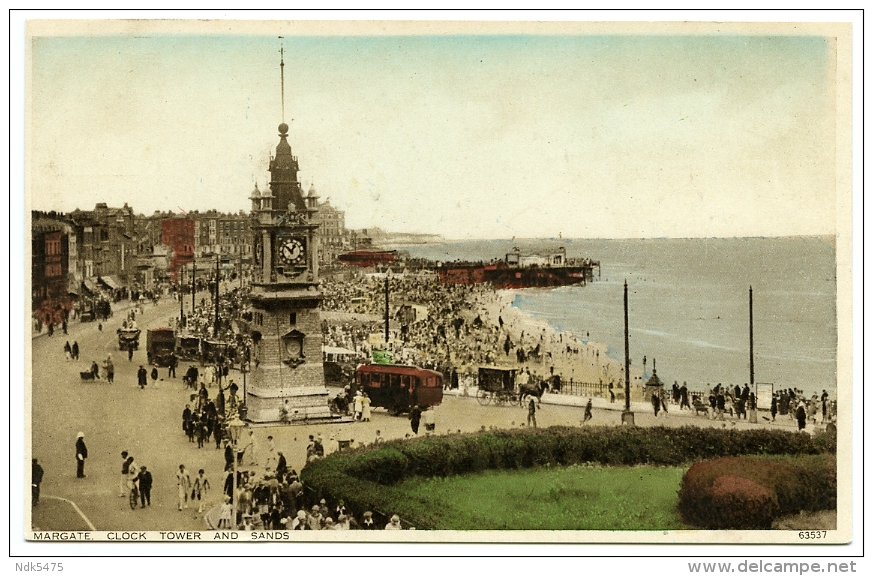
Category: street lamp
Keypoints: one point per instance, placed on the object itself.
(193, 284)
(627, 417)
(217, 282)
(244, 368)
(386, 310)
(235, 426)
(753, 409)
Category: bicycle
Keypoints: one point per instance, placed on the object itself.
(134, 497)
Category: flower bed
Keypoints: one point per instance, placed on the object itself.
(751, 492)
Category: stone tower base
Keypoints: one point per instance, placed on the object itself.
(297, 405)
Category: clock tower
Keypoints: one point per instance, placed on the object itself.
(287, 373)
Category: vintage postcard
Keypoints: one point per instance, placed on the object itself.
(438, 282)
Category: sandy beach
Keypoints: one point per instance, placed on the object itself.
(586, 362)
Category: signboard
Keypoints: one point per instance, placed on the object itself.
(763, 395)
(381, 356)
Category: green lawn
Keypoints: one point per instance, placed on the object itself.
(565, 498)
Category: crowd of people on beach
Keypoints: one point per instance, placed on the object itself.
(454, 329)
(433, 318)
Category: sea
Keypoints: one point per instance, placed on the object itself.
(689, 304)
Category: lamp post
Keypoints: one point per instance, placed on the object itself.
(217, 283)
(244, 368)
(386, 310)
(753, 409)
(235, 426)
(193, 284)
(627, 417)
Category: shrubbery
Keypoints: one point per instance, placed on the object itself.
(750, 492)
(449, 455)
(357, 476)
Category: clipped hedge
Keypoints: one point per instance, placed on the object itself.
(358, 476)
(561, 446)
(751, 492)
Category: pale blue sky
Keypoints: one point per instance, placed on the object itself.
(468, 136)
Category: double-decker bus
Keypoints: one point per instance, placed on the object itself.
(399, 388)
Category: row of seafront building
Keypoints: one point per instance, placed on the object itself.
(87, 252)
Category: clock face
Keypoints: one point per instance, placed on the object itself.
(292, 252)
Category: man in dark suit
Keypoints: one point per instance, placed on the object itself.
(281, 467)
(36, 474)
(145, 487)
(191, 376)
(415, 419)
(142, 377)
(186, 422)
(171, 365)
(81, 454)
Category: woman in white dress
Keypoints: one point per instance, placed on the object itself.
(365, 408)
(358, 406)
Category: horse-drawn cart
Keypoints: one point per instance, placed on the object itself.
(188, 348)
(213, 350)
(127, 338)
(496, 385)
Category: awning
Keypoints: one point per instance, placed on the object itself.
(90, 286)
(111, 282)
(336, 350)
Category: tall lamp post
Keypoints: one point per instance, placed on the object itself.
(193, 284)
(753, 409)
(235, 427)
(244, 368)
(627, 417)
(386, 310)
(217, 284)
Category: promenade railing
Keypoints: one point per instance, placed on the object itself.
(574, 388)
